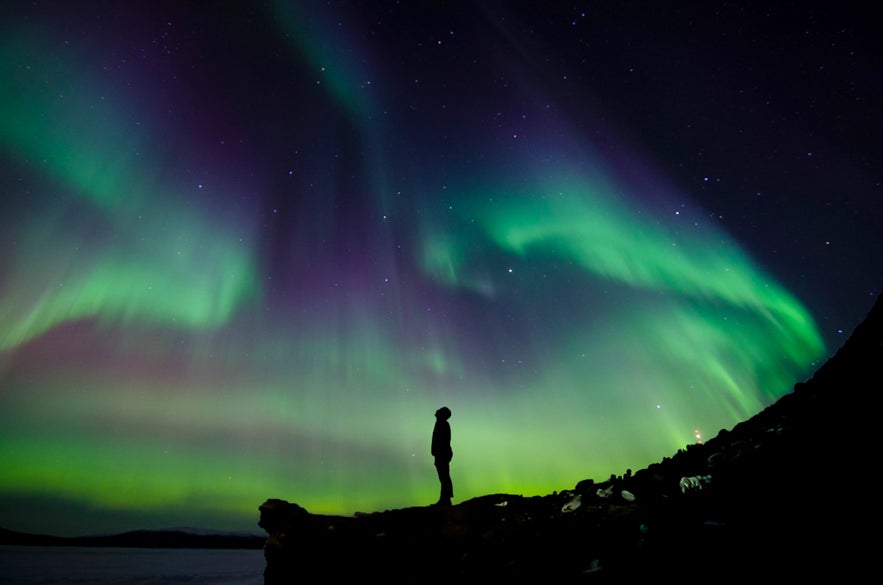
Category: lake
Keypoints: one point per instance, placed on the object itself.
(45, 565)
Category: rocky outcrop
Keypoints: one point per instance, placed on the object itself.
(777, 496)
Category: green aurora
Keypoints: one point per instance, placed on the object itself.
(160, 356)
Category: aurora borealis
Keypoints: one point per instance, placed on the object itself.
(248, 251)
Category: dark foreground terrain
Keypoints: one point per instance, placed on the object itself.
(789, 494)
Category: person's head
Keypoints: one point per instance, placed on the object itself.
(443, 413)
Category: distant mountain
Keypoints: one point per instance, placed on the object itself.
(171, 538)
(786, 495)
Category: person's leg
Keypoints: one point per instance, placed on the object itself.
(443, 467)
(448, 485)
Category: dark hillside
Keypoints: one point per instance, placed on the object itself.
(787, 494)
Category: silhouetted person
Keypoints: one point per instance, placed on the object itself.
(441, 450)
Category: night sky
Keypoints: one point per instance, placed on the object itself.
(247, 249)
